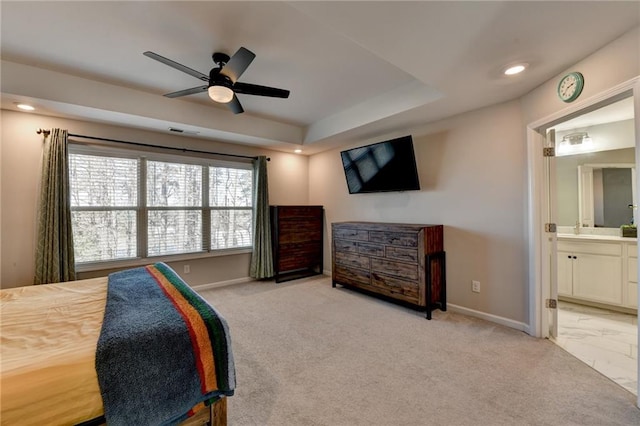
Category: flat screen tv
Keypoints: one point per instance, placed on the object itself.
(381, 167)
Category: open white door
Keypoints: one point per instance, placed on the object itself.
(550, 294)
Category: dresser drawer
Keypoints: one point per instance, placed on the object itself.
(370, 249)
(395, 269)
(402, 239)
(299, 212)
(344, 246)
(353, 260)
(293, 231)
(402, 253)
(351, 234)
(393, 287)
(353, 276)
(298, 256)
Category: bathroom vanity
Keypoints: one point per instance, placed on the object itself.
(599, 269)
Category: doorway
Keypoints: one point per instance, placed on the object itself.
(545, 262)
(595, 198)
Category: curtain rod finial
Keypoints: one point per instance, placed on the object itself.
(45, 132)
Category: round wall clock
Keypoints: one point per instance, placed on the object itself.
(570, 86)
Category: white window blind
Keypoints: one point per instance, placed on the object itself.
(138, 205)
(230, 195)
(104, 203)
(174, 201)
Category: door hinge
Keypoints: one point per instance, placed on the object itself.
(549, 227)
(549, 151)
(551, 303)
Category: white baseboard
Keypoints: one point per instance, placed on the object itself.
(490, 317)
(221, 283)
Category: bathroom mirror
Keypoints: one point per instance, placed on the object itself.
(606, 195)
(581, 195)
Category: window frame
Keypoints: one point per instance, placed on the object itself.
(142, 210)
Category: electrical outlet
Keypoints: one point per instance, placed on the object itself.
(475, 286)
(187, 269)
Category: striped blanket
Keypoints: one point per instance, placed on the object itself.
(164, 353)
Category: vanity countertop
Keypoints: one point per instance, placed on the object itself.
(592, 237)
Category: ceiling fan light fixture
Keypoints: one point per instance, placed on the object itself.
(222, 94)
(221, 83)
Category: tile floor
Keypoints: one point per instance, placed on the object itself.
(605, 340)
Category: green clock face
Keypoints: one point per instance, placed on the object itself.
(570, 86)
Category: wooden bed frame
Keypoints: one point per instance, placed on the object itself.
(216, 415)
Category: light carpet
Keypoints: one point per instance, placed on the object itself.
(310, 354)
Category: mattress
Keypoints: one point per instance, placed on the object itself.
(47, 352)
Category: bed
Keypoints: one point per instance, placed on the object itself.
(52, 335)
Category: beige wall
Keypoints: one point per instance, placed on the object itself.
(472, 172)
(21, 151)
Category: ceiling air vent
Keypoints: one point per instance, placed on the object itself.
(186, 132)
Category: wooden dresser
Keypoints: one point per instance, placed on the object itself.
(401, 262)
(296, 234)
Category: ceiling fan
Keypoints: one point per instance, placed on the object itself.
(222, 82)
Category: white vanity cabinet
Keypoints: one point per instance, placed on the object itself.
(598, 270)
(565, 273)
(631, 299)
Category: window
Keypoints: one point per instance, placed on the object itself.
(174, 202)
(230, 198)
(137, 205)
(104, 198)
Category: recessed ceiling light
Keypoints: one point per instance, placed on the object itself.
(298, 151)
(515, 69)
(25, 107)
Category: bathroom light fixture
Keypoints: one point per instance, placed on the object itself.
(25, 107)
(515, 69)
(298, 151)
(219, 93)
(576, 138)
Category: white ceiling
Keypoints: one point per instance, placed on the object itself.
(356, 70)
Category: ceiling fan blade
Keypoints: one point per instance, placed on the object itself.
(186, 92)
(235, 106)
(238, 63)
(254, 89)
(174, 64)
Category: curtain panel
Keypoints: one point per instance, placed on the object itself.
(54, 249)
(262, 256)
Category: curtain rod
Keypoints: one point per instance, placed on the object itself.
(48, 132)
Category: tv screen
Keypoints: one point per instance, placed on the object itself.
(382, 166)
